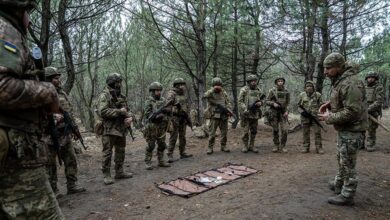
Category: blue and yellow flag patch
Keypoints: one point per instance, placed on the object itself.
(10, 47)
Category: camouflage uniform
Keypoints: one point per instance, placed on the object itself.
(25, 190)
(178, 98)
(349, 117)
(114, 129)
(67, 152)
(278, 122)
(156, 129)
(249, 117)
(217, 118)
(375, 95)
(311, 101)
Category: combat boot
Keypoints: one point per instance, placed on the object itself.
(161, 161)
(319, 150)
(275, 149)
(170, 158)
(74, 188)
(284, 149)
(340, 200)
(254, 150)
(185, 155)
(57, 192)
(245, 149)
(306, 149)
(370, 148)
(332, 186)
(108, 179)
(225, 149)
(148, 166)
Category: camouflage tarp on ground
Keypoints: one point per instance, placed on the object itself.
(202, 181)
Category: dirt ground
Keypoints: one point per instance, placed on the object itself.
(288, 186)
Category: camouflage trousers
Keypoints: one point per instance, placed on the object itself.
(250, 131)
(161, 146)
(68, 156)
(371, 133)
(119, 143)
(26, 194)
(222, 124)
(179, 130)
(348, 144)
(306, 135)
(279, 126)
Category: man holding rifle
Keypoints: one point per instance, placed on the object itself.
(278, 100)
(375, 94)
(250, 100)
(218, 110)
(309, 103)
(66, 152)
(180, 118)
(113, 109)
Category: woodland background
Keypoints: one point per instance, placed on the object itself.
(159, 40)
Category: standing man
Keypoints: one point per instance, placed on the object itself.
(156, 125)
(250, 101)
(311, 101)
(113, 109)
(348, 115)
(180, 118)
(278, 100)
(375, 95)
(67, 152)
(26, 104)
(218, 105)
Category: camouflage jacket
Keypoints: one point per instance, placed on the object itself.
(159, 127)
(22, 95)
(348, 102)
(108, 108)
(375, 94)
(311, 103)
(213, 99)
(280, 96)
(176, 98)
(22, 98)
(246, 98)
(64, 136)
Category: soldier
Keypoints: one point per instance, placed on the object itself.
(310, 100)
(250, 101)
(218, 112)
(113, 109)
(278, 99)
(67, 152)
(156, 125)
(180, 118)
(375, 95)
(349, 117)
(25, 106)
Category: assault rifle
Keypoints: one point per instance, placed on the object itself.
(161, 110)
(311, 117)
(226, 111)
(71, 126)
(115, 99)
(280, 110)
(183, 115)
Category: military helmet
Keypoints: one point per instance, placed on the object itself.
(155, 86)
(112, 78)
(280, 77)
(309, 82)
(29, 4)
(178, 81)
(216, 81)
(51, 72)
(251, 78)
(334, 60)
(373, 75)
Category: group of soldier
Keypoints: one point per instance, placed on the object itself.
(31, 109)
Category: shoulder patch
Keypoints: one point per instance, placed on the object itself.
(9, 46)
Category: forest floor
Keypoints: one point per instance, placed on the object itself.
(287, 186)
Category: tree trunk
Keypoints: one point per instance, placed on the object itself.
(234, 66)
(324, 46)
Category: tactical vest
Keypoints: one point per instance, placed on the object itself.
(371, 96)
(115, 126)
(281, 96)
